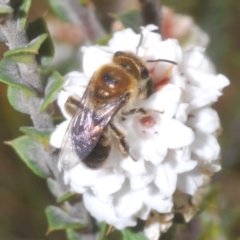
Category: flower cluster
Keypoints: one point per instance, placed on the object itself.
(175, 144)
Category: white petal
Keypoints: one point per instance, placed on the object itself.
(75, 79)
(76, 83)
(166, 50)
(198, 97)
(206, 147)
(157, 201)
(148, 150)
(143, 213)
(127, 202)
(104, 212)
(189, 182)
(201, 79)
(222, 81)
(196, 59)
(78, 189)
(165, 101)
(205, 120)
(84, 176)
(138, 182)
(107, 183)
(125, 40)
(176, 134)
(133, 167)
(178, 161)
(166, 179)
(58, 134)
(182, 112)
(94, 57)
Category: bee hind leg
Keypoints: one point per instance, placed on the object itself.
(71, 105)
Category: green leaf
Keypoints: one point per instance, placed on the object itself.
(102, 232)
(25, 54)
(10, 82)
(4, 9)
(60, 220)
(64, 11)
(18, 100)
(54, 187)
(31, 152)
(40, 136)
(54, 85)
(9, 75)
(73, 235)
(65, 197)
(60, 193)
(46, 51)
(129, 234)
(23, 13)
(130, 19)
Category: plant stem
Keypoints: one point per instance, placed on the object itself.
(151, 13)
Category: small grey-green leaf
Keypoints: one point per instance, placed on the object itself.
(22, 14)
(73, 235)
(30, 92)
(54, 187)
(41, 136)
(62, 194)
(4, 9)
(31, 152)
(9, 74)
(130, 19)
(54, 85)
(18, 100)
(66, 197)
(26, 54)
(60, 220)
(129, 234)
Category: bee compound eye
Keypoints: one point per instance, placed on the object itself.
(118, 53)
(145, 73)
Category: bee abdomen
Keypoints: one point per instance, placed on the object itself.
(100, 152)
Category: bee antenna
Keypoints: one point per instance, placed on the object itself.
(163, 60)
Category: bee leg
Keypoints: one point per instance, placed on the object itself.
(123, 144)
(71, 105)
(134, 111)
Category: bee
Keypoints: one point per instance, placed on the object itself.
(110, 92)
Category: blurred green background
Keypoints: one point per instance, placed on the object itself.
(24, 196)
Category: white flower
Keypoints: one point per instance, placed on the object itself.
(174, 144)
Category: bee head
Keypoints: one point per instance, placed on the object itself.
(132, 64)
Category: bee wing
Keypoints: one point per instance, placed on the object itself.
(68, 157)
(85, 129)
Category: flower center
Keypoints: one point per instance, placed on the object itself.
(147, 121)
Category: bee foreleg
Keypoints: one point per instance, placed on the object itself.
(123, 144)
